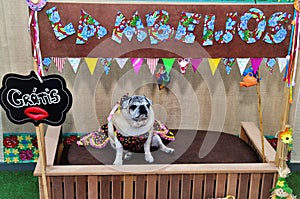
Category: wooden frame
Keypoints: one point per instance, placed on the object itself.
(161, 181)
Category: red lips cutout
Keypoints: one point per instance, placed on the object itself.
(36, 113)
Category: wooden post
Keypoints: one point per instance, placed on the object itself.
(260, 119)
(41, 145)
(42, 157)
(280, 159)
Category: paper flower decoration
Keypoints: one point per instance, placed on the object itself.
(36, 5)
(286, 136)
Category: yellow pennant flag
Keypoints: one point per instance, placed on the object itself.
(91, 63)
(213, 64)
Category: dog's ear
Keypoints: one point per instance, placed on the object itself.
(124, 102)
(148, 100)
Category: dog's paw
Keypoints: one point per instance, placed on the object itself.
(118, 162)
(149, 158)
(168, 150)
(127, 155)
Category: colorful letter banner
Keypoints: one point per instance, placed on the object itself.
(206, 31)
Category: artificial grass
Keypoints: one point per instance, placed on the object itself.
(18, 184)
(293, 181)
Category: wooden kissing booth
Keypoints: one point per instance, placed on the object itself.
(168, 30)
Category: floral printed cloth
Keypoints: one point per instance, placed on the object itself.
(21, 148)
(99, 139)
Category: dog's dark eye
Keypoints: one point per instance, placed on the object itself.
(132, 107)
(148, 105)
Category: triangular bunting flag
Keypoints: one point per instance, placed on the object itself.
(196, 63)
(228, 62)
(183, 63)
(121, 62)
(106, 62)
(270, 63)
(74, 62)
(152, 63)
(136, 64)
(255, 64)
(168, 62)
(282, 62)
(46, 63)
(213, 64)
(59, 62)
(242, 63)
(91, 63)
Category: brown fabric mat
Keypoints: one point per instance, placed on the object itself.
(190, 146)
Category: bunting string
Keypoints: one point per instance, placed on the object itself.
(168, 63)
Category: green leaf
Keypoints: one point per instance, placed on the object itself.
(90, 20)
(185, 23)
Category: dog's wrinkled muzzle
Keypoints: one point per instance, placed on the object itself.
(141, 118)
(143, 114)
(143, 111)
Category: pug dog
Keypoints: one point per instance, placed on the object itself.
(134, 126)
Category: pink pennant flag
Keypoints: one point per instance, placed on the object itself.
(152, 63)
(137, 63)
(59, 62)
(196, 63)
(255, 64)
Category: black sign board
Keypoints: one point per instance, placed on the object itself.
(33, 99)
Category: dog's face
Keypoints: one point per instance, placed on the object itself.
(136, 109)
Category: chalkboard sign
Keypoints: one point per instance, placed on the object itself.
(30, 99)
